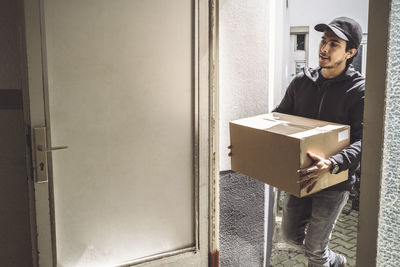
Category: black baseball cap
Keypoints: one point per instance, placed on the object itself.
(344, 28)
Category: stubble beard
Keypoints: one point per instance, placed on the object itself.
(334, 65)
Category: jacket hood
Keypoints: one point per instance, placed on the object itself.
(348, 73)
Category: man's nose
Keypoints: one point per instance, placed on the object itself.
(324, 48)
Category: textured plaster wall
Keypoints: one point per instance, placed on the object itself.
(389, 217)
(243, 76)
(243, 48)
(241, 221)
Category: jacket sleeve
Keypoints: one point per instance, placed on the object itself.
(287, 103)
(350, 157)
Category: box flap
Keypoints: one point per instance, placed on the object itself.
(316, 130)
(260, 122)
(288, 125)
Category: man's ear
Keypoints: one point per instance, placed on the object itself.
(351, 53)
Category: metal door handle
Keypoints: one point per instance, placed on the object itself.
(40, 150)
(49, 149)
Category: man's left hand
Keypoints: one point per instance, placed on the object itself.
(315, 172)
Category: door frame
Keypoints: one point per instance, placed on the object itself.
(373, 135)
(205, 42)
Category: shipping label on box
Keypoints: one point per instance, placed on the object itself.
(272, 147)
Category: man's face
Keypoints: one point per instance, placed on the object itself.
(332, 51)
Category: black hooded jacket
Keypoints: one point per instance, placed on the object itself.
(340, 100)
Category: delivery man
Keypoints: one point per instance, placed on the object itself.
(332, 92)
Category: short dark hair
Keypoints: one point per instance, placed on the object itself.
(350, 45)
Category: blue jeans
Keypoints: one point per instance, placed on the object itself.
(307, 224)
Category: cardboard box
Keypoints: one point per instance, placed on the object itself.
(272, 147)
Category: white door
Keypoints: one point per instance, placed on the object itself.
(124, 85)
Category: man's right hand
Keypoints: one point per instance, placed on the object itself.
(230, 152)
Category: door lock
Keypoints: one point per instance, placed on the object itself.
(40, 151)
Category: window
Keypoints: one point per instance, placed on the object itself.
(360, 60)
(299, 66)
(300, 41)
(357, 62)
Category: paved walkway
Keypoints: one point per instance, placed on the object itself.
(344, 241)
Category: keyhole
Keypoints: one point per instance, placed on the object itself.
(41, 166)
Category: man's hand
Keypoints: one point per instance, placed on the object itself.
(230, 152)
(309, 176)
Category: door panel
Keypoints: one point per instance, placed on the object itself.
(122, 94)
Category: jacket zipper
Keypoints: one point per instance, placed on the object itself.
(320, 103)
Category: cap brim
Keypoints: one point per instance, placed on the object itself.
(322, 27)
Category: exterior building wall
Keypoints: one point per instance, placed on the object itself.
(388, 251)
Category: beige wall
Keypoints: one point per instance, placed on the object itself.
(15, 234)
